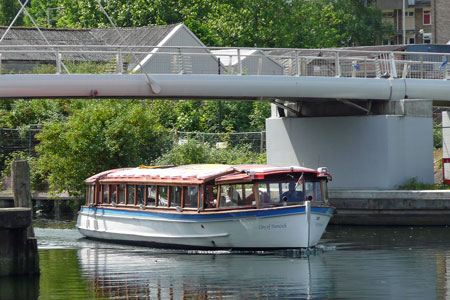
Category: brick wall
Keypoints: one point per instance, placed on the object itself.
(441, 21)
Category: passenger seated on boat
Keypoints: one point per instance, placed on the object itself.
(233, 195)
(211, 201)
(232, 198)
(292, 195)
(249, 200)
(264, 198)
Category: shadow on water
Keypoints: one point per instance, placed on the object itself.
(19, 287)
(351, 263)
(387, 237)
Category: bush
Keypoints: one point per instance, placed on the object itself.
(437, 137)
(414, 184)
(194, 152)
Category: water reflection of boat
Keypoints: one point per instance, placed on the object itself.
(118, 273)
(208, 206)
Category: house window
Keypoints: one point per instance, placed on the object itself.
(409, 14)
(427, 38)
(411, 40)
(411, 2)
(427, 17)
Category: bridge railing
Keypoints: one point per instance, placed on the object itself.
(61, 59)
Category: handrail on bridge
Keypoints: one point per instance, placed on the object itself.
(236, 61)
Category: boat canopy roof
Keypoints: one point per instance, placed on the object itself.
(197, 173)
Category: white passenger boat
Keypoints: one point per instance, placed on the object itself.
(252, 207)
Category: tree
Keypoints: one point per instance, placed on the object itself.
(8, 11)
(260, 23)
(104, 134)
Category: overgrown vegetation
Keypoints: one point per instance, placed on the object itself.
(414, 184)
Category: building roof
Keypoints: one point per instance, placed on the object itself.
(136, 36)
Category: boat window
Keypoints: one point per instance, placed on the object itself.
(191, 196)
(280, 192)
(140, 193)
(248, 196)
(175, 196)
(130, 194)
(163, 198)
(313, 191)
(291, 192)
(105, 193)
(114, 193)
(121, 192)
(151, 195)
(230, 195)
(89, 194)
(324, 186)
(269, 193)
(211, 196)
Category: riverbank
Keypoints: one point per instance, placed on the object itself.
(353, 207)
(391, 207)
(59, 206)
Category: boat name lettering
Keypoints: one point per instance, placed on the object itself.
(272, 226)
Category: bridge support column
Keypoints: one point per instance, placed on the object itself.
(361, 152)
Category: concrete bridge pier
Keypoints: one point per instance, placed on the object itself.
(18, 252)
(18, 246)
(381, 148)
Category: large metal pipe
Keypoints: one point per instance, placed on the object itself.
(245, 87)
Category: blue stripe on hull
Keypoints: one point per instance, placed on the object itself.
(260, 213)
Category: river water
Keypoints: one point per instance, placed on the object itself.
(350, 263)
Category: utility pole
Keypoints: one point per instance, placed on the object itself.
(48, 13)
(404, 22)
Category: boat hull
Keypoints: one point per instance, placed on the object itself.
(269, 228)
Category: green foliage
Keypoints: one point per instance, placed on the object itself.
(8, 11)
(21, 113)
(262, 23)
(104, 134)
(37, 179)
(194, 152)
(73, 68)
(414, 184)
(437, 137)
(237, 116)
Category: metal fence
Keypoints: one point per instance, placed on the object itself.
(231, 61)
(12, 140)
(256, 140)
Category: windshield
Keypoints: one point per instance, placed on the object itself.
(289, 192)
